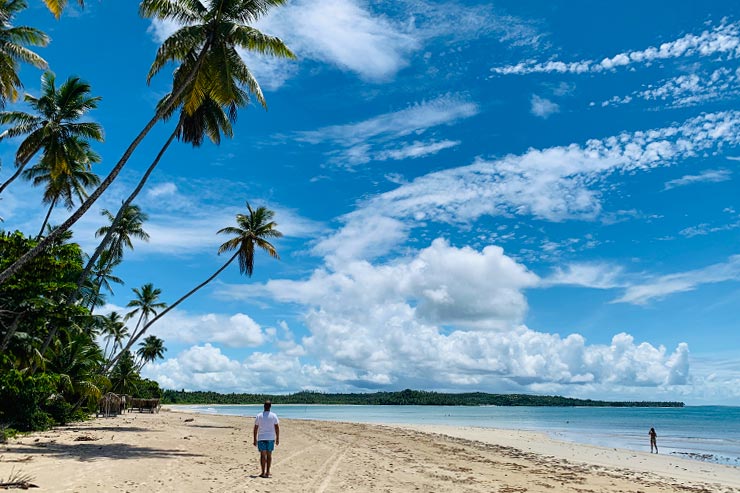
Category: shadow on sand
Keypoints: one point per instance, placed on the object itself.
(87, 451)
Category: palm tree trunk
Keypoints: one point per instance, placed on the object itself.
(11, 330)
(164, 312)
(46, 219)
(34, 252)
(117, 220)
(19, 170)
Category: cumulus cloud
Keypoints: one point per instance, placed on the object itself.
(720, 41)
(451, 318)
(707, 176)
(542, 107)
(235, 331)
(660, 287)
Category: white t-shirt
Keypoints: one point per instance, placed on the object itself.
(266, 422)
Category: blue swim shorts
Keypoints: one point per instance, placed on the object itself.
(266, 445)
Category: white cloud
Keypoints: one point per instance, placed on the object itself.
(235, 331)
(367, 140)
(687, 90)
(415, 150)
(543, 107)
(707, 176)
(723, 40)
(162, 189)
(591, 275)
(660, 287)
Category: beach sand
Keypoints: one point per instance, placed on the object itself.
(174, 451)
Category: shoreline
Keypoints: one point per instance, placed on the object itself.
(193, 452)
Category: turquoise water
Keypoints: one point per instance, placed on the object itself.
(710, 433)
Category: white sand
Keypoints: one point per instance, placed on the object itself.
(164, 452)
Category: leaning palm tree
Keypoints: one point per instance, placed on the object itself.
(13, 51)
(101, 277)
(54, 126)
(64, 182)
(207, 47)
(252, 230)
(150, 349)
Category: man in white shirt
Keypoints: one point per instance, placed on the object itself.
(266, 436)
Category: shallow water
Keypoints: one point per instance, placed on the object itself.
(710, 433)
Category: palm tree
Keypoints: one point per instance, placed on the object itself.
(211, 68)
(67, 181)
(102, 276)
(127, 224)
(145, 304)
(12, 50)
(150, 349)
(55, 126)
(57, 6)
(114, 330)
(252, 230)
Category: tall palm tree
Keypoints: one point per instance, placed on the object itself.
(209, 120)
(114, 330)
(210, 68)
(67, 181)
(54, 126)
(13, 51)
(150, 349)
(252, 230)
(144, 305)
(127, 224)
(102, 277)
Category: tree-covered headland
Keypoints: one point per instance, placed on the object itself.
(404, 397)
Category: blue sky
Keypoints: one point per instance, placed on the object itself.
(511, 197)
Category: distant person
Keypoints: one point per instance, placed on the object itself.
(266, 436)
(653, 440)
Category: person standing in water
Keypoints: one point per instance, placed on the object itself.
(653, 440)
(266, 435)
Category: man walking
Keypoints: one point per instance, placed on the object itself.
(266, 436)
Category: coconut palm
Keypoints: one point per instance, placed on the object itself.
(210, 67)
(126, 224)
(54, 127)
(144, 305)
(114, 330)
(150, 349)
(57, 6)
(252, 230)
(64, 183)
(102, 277)
(13, 51)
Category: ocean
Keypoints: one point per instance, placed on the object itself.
(709, 433)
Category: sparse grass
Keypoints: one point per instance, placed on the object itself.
(18, 479)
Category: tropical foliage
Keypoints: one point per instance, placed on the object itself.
(57, 354)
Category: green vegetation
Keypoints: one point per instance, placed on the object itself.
(405, 397)
(57, 357)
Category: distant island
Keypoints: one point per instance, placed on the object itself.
(405, 397)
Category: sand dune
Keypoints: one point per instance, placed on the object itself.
(173, 451)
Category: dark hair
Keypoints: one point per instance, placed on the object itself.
(268, 405)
